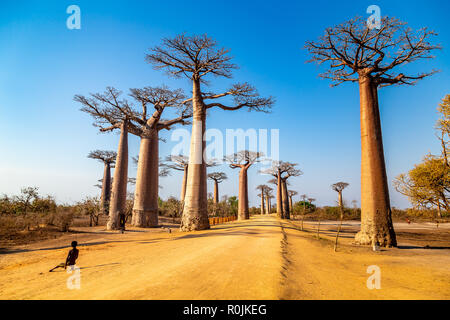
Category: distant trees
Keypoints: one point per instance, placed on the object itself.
(108, 158)
(282, 171)
(428, 183)
(264, 190)
(356, 53)
(29, 200)
(195, 58)
(243, 160)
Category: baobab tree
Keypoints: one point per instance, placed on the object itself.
(217, 177)
(282, 171)
(339, 187)
(195, 58)
(291, 193)
(149, 124)
(108, 158)
(357, 53)
(110, 108)
(269, 197)
(111, 113)
(243, 160)
(263, 194)
(278, 197)
(179, 163)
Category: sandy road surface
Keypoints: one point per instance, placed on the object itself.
(232, 261)
(263, 258)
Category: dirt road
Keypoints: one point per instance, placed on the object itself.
(263, 258)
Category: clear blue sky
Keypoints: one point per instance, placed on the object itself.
(44, 138)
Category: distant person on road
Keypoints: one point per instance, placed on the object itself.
(122, 221)
(71, 259)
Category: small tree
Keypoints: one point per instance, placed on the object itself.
(428, 183)
(217, 177)
(26, 195)
(339, 187)
(303, 197)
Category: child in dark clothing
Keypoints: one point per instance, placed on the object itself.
(71, 257)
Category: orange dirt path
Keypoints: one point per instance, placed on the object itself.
(262, 258)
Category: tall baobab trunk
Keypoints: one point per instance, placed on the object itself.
(291, 207)
(243, 212)
(267, 205)
(145, 208)
(195, 212)
(106, 189)
(119, 188)
(216, 192)
(376, 220)
(262, 203)
(285, 197)
(184, 183)
(279, 196)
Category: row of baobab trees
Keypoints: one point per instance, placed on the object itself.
(352, 51)
(242, 160)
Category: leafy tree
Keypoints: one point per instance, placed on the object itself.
(427, 184)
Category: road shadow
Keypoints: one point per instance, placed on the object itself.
(422, 247)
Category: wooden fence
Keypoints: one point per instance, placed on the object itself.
(218, 220)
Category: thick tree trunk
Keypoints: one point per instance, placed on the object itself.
(376, 220)
(195, 211)
(291, 207)
(285, 197)
(184, 183)
(119, 188)
(262, 204)
(243, 212)
(279, 196)
(106, 189)
(145, 208)
(216, 192)
(267, 205)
